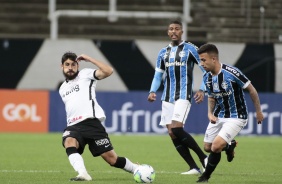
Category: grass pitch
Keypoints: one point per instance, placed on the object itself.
(41, 159)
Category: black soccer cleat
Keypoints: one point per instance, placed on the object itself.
(230, 151)
(203, 179)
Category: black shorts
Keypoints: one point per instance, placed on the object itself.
(91, 132)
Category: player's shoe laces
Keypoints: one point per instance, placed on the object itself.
(82, 177)
(230, 151)
(203, 179)
(192, 171)
(204, 163)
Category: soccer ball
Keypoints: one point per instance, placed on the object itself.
(144, 174)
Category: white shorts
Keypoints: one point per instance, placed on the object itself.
(178, 112)
(227, 128)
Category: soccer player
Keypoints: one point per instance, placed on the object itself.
(227, 109)
(84, 116)
(175, 65)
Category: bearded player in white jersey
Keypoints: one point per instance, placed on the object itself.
(84, 116)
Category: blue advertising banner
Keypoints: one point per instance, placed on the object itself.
(57, 113)
(130, 112)
(272, 110)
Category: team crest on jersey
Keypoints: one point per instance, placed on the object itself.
(181, 54)
(215, 86)
(224, 85)
(172, 55)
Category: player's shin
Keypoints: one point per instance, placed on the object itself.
(184, 153)
(126, 164)
(76, 160)
(188, 141)
(213, 160)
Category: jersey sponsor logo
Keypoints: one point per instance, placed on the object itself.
(73, 89)
(232, 70)
(217, 95)
(101, 142)
(176, 63)
(74, 119)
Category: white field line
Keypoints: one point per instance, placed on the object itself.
(55, 171)
(28, 171)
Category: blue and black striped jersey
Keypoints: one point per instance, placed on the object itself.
(177, 63)
(227, 89)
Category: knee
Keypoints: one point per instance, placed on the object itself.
(170, 133)
(177, 131)
(70, 142)
(217, 148)
(207, 147)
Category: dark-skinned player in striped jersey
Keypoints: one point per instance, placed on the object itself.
(174, 67)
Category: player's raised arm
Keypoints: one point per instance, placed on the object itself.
(103, 71)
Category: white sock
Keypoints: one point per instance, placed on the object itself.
(129, 166)
(77, 163)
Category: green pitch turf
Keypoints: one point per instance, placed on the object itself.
(40, 159)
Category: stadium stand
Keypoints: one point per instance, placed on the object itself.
(213, 20)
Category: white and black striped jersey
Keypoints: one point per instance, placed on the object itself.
(80, 98)
(177, 64)
(227, 89)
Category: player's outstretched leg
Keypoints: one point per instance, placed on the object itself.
(230, 150)
(77, 163)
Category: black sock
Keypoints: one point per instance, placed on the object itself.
(213, 160)
(226, 147)
(71, 150)
(120, 163)
(185, 153)
(188, 141)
